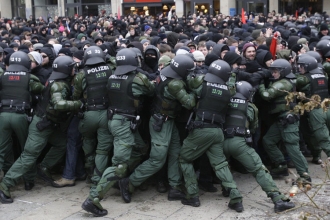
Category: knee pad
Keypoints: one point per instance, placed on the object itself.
(102, 152)
(121, 170)
(221, 165)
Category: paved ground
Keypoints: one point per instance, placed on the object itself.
(46, 202)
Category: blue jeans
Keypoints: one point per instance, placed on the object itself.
(74, 163)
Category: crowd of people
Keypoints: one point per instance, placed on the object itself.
(118, 101)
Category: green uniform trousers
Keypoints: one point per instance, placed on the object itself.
(97, 142)
(309, 138)
(9, 123)
(128, 150)
(35, 142)
(209, 141)
(317, 120)
(164, 143)
(289, 134)
(247, 156)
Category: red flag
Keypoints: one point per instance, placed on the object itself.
(118, 14)
(273, 45)
(243, 16)
(296, 13)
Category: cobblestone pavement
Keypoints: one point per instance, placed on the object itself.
(46, 202)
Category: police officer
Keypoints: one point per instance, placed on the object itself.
(241, 122)
(48, 125)
(15, 87)
(126, 89)
(90, 85)
(285, 127)
(171, 94)
(206, 132)
(312, 81)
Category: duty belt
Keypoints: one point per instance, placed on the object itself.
(206, 124)
(240, 132)
(13, 110)
(95, 107)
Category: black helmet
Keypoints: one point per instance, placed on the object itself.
(62, 67)
(127, 61)
(139, 55)
(94, 55)
(283, 66)
(218, 72)
(316, 55)
(326, 37)
(318, 58)
(323, 47)
(180, 67)
(19, 61)
(245, 89)
(309, 63)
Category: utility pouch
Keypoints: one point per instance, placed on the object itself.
(248, 140)
(134, 125)
(80, 115)
(158, 123)
(230, 132)
(43, 124)
(110, 114)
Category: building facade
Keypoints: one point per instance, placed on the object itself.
(50, 8)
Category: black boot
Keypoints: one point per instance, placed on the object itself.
(161, 186)
(28, 186)
(5, 197)
(282, 204)
(238, 206)
(175, 194)
(192, 201)
(124, 189)
(44, 174)
(90, 207)
(280, 171)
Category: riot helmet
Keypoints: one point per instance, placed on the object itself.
(94, 55)
(284, 67)
(139, 55)
(127, 61)
(323, 47)
(218, 72)
(62, 67)
(245, 89)
(180, 67)
(19, 61)
(309, 63)
(318, 58)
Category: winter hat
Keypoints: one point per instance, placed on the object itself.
(247, 45)
(65, 51)
(35, 57)
(183, 50)
(297, 47)
(324, 27)
(162, 36)
(144, 41)
(81, 35)
(302, 41)
(210, 44)
(198, 56)
(165, 60)
(61, 28)
(79, 54)
(146, 28)
(268, 56)
(210, 58)
(231, 57)
(217, 37)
